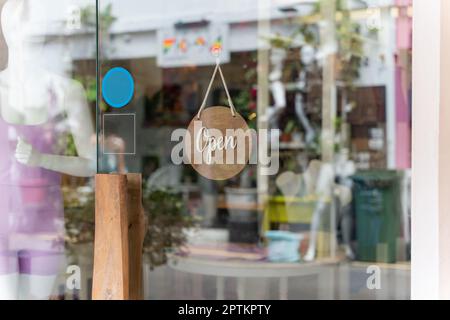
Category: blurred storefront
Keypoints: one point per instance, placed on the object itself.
(338, 90)
(334, 77)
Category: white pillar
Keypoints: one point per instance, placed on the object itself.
(329, 46)
(263, 94)
(431, 150)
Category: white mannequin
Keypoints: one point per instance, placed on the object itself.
(324, 181)
(24, 100)
(277, 57)
(344, 168)
(307, 58)
(318, 179)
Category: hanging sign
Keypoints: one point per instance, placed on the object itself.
(218, 140)
(178, 47)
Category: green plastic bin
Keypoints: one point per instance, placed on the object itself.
(376, 196)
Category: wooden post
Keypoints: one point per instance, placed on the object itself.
(119, 231)
(136, 233)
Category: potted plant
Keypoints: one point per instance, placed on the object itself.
(167, 222)
(289, 129)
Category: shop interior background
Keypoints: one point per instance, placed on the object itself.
(333, 76)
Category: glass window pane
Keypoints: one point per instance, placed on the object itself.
(47, 142)
(322, 209)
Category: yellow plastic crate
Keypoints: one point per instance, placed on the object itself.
(281, 209)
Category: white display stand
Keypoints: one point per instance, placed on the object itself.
(242, 270)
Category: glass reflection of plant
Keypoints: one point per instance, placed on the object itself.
(79, 204)
(350, 42)
(85, 76)
(349, 37)
(79, 209)
(167, 222)
(350, 46)
(349, 55)
(244, 99)
(244, 103)
(105, 20)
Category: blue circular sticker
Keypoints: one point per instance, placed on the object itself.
(117, 87)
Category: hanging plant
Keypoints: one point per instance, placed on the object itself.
(106, 18)
(350, 47)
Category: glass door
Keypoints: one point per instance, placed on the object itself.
(319, 208)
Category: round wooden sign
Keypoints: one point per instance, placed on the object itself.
(218, 143)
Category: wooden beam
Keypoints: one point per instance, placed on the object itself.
(119, 235)
(111, 264)
(136, 233)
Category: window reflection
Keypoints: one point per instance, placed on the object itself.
(334, 78)
(47, 130)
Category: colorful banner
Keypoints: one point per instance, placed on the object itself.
(178, 47)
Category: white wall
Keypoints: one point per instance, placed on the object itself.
(431, 153)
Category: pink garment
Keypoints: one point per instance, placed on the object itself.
(402, 93)
(404, 26)
(31, 207)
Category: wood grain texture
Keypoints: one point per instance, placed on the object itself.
(111, 264)
(219, 118)
(136, 233)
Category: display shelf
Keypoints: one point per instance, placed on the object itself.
(292, 145)
(403, 265)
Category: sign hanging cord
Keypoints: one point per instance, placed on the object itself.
(230, 102)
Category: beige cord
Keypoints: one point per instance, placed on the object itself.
(233, 111)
